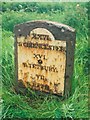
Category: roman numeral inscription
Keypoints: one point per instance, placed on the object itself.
(40, 36)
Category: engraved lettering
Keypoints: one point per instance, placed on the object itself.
(42, 46)
(40, 67)
(40, 36)
(39, 56)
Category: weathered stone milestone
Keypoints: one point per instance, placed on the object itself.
(44, 56)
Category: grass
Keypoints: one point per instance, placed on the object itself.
(42, 106)
(16, 105)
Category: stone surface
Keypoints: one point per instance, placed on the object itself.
(44, 55)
